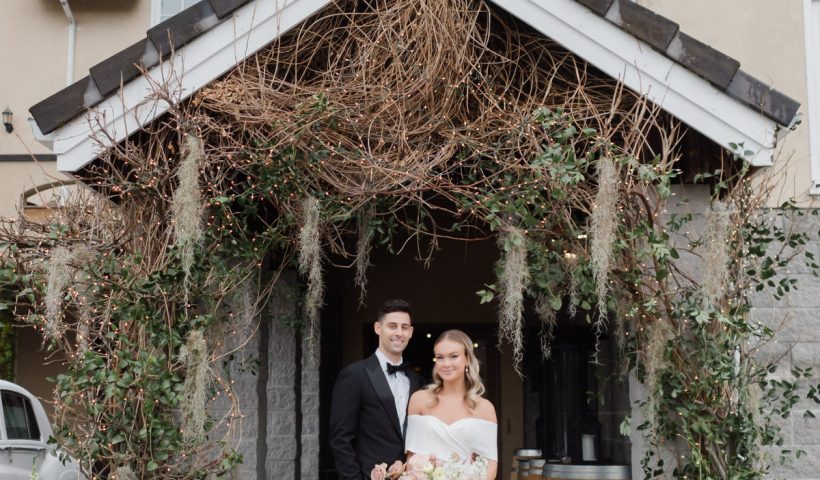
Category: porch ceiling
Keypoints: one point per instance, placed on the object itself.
(694, 82)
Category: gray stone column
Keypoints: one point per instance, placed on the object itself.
(695, 200)
(274, 367)
(240, 356)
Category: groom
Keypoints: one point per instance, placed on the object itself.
(369, 408)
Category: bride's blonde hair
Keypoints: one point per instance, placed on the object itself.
(472, 377)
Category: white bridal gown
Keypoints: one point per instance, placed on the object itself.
(429, 435)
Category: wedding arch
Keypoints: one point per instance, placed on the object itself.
(374, 121)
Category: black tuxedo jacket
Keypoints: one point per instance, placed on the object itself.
(364, 425)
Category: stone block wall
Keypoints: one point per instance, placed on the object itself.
(279, 432)
(241, 345)
(796, 319)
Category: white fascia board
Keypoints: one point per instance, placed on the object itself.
(811, 31)
(192, 67)
(641, 68)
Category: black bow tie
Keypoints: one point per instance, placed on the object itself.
(392, 369)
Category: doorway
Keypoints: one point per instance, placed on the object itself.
(443, 297)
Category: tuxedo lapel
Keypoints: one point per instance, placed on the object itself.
(379, 382)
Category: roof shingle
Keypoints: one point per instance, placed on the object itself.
(662, 34)
(124, 66)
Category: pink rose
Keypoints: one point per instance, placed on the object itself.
(419, 460)
(414, 475)
(395, 470)
(379, 472)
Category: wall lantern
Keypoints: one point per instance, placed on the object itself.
(7, 116)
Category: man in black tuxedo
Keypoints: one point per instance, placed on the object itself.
(368, 413)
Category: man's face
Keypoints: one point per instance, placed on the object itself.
(394, 331)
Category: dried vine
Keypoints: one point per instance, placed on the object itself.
(379, 125)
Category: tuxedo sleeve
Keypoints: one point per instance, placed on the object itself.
(344, 423)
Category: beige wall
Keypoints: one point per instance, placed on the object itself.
(36, 46)
(767, 38)
(17, 177)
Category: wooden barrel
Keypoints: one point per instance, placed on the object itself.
(586, 472)
(523, 468)
(536, 469)
(522, 454)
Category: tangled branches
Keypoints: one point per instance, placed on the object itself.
(390, 121)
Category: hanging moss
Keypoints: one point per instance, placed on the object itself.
(716, 253)
(310, 262)
(513, 280)
(197, 371)
(187, 204)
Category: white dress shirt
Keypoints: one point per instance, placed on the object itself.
(399, 385)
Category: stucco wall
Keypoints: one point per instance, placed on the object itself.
(767, 38)
(18, 176)
(36, 43)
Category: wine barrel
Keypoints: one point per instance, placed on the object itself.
(523, 468)
(586, 472)
(536, 469)
(522, 454)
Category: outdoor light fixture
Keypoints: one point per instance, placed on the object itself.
(7, 115)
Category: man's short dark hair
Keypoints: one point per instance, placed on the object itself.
(393, 305)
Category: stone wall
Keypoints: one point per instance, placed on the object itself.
(692, 199)
(796, 319)
(264, 371)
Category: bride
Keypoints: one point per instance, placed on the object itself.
(450, 416)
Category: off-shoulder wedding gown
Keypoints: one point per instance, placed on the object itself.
(429, 435)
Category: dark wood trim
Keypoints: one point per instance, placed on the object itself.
(297, 403)
(28, 157)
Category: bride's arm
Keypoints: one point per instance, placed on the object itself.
(486, 411)
(414, 407)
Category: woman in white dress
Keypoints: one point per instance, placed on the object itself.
(450, 416)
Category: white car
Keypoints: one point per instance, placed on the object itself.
(24, 433)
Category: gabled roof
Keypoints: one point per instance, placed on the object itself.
(701, 86)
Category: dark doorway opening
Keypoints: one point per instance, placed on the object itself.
(443, 297)
(574, 402)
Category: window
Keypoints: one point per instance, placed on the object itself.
(162, 10)
(811, 14)
(21, 424)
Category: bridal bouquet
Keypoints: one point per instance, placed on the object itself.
(428, 467)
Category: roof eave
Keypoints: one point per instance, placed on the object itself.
(691, 98)
(192, 67)
(679, 91)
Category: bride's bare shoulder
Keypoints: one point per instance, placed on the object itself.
(485, 410)
(420, 400)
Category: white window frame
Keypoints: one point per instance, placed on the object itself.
(811, 29)
(156, 11)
